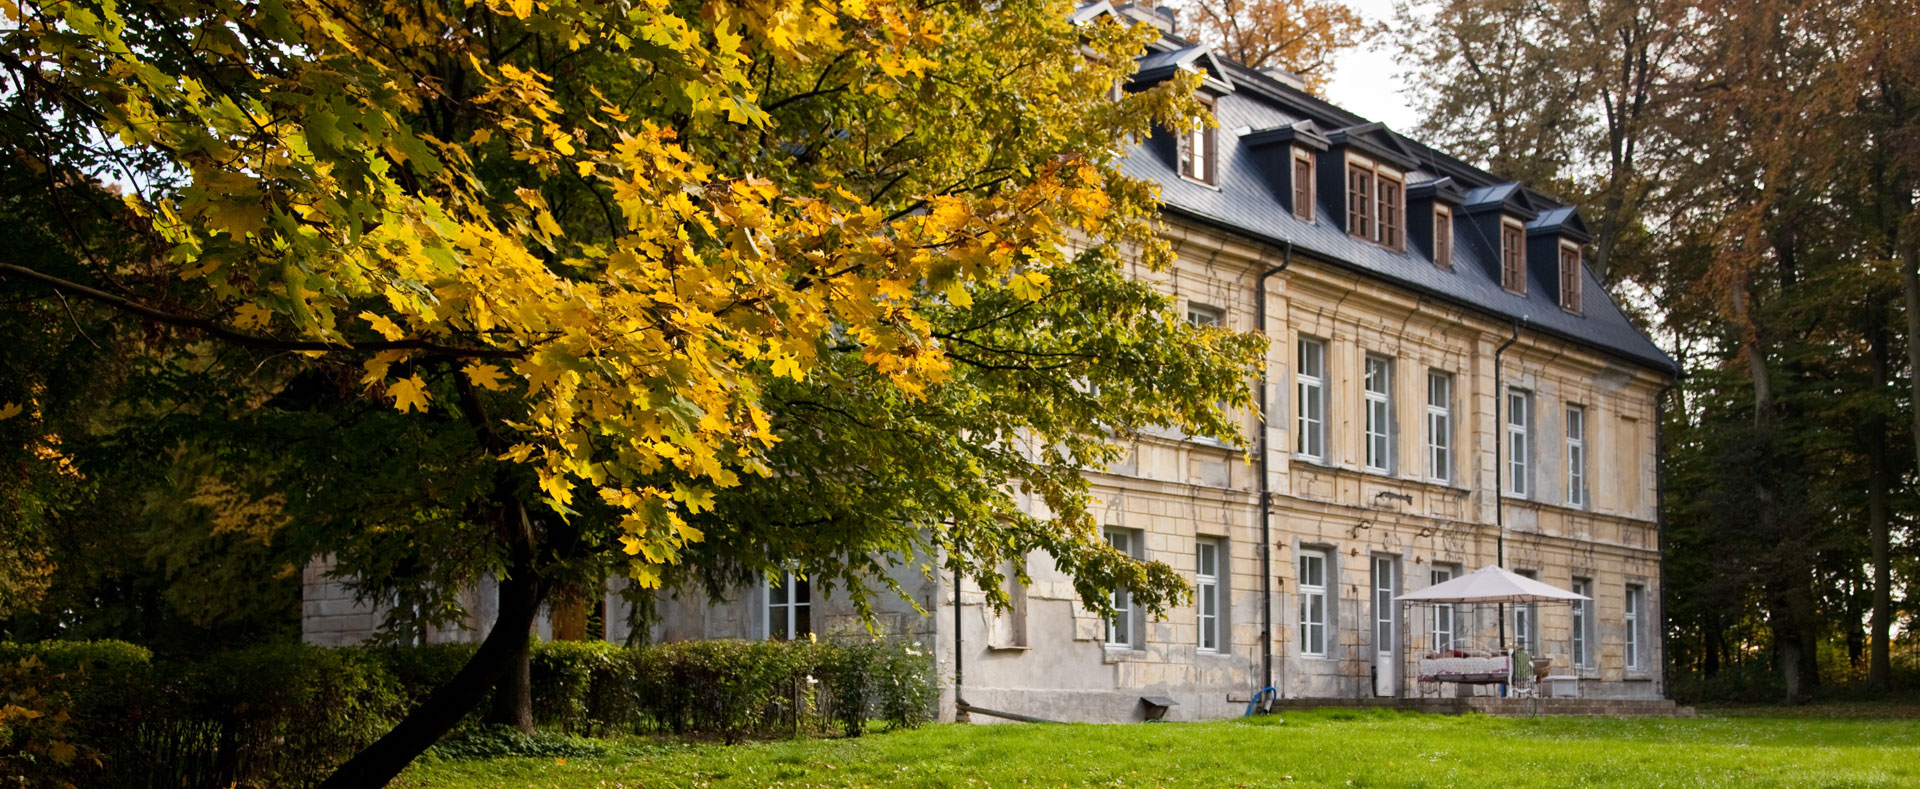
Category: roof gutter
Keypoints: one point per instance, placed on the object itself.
(1266, 490)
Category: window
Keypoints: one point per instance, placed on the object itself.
(1379, 399)
(1206, 592)
(1313, 604)
(1203, 315)
(1526, 621)
(1443, 612)
(1519, 419)
(1312, 395)
(1576, 456)
(1392, 226)
(1513, 257)
(1581, 621)
(1303, 185)
(789, 607)
(1120, 627)
(1443, 237)
(1385, 583)
(1636, 604)
(1569, 277)
(1359, 201)
(1197, 149)
(1439, 426)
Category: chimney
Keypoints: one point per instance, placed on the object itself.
(1161, 17)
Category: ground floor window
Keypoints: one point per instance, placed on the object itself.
(1581, 621)
(1442, 612)
(789, 607)
(1120, 627)
(1206, 592)
(1635, 607)
(1526, 621)
(1313, 603)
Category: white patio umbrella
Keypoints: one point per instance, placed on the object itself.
(1491, 584)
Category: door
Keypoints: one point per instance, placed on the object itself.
(1386, 626)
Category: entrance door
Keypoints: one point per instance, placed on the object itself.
(1386, 626)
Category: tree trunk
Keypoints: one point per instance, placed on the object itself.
(505, 646)
(513, 687)
(1878, 484)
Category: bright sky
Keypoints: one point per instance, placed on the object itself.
(1364, 80)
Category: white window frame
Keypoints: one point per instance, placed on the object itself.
(1526, 621)
(1313, 565)
(788, 609)
(1576, 456)
(1120, 629)
(1519, 443)
(1632, 612)
(1205, 315)
(1310, 407)
(1581, 641)
(1386, 585)
(1440, 426)
(1378, 404)
(1206, 592)
(1442, 634)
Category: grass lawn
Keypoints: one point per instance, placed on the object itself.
(1323, 747)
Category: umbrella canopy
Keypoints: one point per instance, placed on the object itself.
(1491, 584)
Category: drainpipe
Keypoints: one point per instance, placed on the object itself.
(1499, 470)
(1266, 491)
(960, 705)
(1660, 526)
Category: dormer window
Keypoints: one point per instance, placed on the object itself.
(1303, 185)
(1570, 277)
(1513, 256)
(1197, 149)
(1443, 237)
(1376, 203)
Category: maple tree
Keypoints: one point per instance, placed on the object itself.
(1300, 36)
(583, 252)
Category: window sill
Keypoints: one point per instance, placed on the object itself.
(1008, 648)
(1197, 182)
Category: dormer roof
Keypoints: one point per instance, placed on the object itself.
(1563, 221)
(1303, 133)
(1441, 189)
(1091, 11)
(1508, 198)
(1376, 140)
(1158, 67)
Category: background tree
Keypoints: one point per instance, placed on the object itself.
(1300, 36)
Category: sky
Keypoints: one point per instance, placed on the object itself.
(1364, 80)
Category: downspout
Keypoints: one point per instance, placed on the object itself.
(1266, 491)
(960, 705)
(1500, 469)
(1660, 526)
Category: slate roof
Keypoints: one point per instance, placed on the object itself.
(1245, 204)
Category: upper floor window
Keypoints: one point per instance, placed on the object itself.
(1313, 603)
(1391, 228)
(1576, 456)
(1310, 378)
(1519, 444)
(1443, 237)
(1197, 160)
(1379, 414)
(1439, 426)
(789, 607)
(1570, 277)
(1513, 257)
(1303, 185)
(1203, 315)
(1360, 200)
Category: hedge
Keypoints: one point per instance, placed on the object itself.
(283, 715)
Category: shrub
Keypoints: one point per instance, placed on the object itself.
(582, 687)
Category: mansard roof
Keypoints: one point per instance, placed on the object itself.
(1264, 111)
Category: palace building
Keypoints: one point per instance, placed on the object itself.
(1447, 387)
